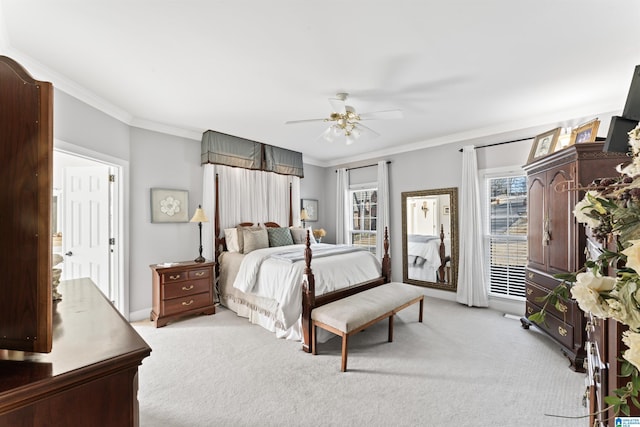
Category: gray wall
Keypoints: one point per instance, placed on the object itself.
(80, 124)
(160, 160)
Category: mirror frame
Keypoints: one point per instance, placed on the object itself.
(452, 285)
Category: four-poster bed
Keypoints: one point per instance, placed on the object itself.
(284, 305)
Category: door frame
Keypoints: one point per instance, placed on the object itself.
(119, 268)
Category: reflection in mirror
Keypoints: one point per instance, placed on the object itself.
(429, 238)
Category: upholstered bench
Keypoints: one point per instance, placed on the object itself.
(354, 313)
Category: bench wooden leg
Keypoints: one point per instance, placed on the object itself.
(391, 328)
(314, 339)
(345, 337)
(421, 310)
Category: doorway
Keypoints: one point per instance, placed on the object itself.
(87, 220)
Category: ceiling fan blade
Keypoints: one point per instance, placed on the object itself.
(338, 105)
(291, 122)
(367, 130)
(382, 115)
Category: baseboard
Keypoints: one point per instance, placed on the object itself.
(136, 316)
(507, 306)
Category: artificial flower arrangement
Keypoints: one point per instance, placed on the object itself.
(611, 209)
(319, 233)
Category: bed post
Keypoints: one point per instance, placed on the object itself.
(386, 261)
(443, 258)
(308, 298)
(290, 205)
(216, 228)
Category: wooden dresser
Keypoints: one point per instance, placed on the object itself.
(556, 242)
(604, 348)
(181, 289)
(90, 377)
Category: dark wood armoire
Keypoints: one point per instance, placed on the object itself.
(69, 363)
(26, 171)
(556, 241)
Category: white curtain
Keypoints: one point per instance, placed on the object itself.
(246, 196)
(382, 220)
(342, 206)
(472, 289)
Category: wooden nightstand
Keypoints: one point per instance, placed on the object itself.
(182, 289)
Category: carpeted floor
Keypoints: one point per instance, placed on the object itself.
(461, 367)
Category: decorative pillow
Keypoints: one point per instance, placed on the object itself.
(231, 237)
(279, 236)
(299, 235)
(255, 239)
(241, 236)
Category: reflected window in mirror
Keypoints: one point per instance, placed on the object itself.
(430, 242)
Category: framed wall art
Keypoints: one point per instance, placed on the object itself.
(168, 205)
(544, 144)
(585, 133)
(311, 206)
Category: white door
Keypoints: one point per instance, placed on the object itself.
(86, 225)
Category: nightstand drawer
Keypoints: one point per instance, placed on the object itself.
(178, 305)
(199, 274)
(183, 289)
(175, 276)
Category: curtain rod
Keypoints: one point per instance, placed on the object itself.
(500, 143)
(365, 166)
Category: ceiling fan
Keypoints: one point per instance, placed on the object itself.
(345, 121)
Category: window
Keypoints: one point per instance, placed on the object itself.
(362, 226)
(506, 239)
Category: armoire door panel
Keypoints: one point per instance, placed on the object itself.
(560, 211)
(536, 207)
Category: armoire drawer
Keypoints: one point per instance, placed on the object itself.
(565, 310)
(560, 330)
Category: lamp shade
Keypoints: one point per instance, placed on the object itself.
(304, 215)
(199, 216)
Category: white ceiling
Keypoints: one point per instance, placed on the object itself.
(458, 69)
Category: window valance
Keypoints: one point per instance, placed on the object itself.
(222, 149)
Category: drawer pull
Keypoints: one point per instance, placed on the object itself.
(187, 303)
(530, 275)
(529, 310)
(562, 331)
(562, 308)
(174, 277)
(529, 290)
(199, 273)
(187, 288)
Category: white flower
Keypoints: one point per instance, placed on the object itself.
(170, 206)
(632, 355)
(630, 315)
(586, 291)
(586, 206)
(633, 255)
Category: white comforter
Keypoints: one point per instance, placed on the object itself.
(281, 280)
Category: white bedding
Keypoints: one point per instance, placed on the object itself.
(423, 257)
(264, 276)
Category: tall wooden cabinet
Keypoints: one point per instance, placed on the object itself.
(26, 171)
(556, 242)
(604, 348)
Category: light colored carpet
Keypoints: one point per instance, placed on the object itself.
(462, 366)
